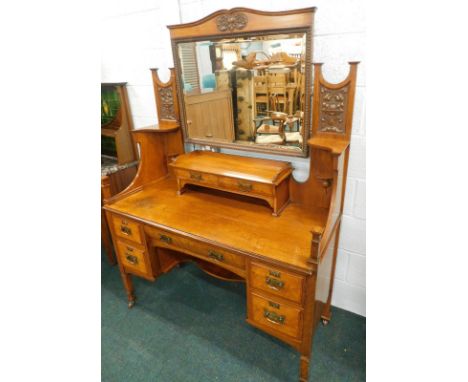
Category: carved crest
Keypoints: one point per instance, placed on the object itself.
(167, 103)
(332, 110)
(231, 22)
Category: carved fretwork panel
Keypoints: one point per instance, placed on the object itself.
(166, 98)
(231, 22)
(167, 103)
(333, 105)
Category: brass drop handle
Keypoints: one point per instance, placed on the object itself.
(215, 255)
(196, 176)
(274, 304)
(209, 135)
(131, 259)
(165, 239)
(273, 317)
(246, 187)
(125, 230)
(274, 273)
(274, 283)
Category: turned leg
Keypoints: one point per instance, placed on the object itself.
(304, 368)
(128, 284)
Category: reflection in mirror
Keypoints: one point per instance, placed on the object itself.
(248, 90)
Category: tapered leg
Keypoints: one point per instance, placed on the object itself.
(304, 368)
(326, 313)
(128, 284)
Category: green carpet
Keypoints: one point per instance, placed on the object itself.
(190, 327)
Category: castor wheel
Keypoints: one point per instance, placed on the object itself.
(325, 322)
(130, 304)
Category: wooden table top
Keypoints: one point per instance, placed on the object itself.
(228, 220)
(253, 169)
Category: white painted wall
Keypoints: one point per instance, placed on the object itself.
(134, 38)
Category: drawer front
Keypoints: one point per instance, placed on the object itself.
(197, 177)
(132, 258)
(215, 255)
(127, 229)
(246, 186)
(166, 239)
(276, 282)
(278, 316)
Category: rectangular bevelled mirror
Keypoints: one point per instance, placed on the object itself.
(249, 90)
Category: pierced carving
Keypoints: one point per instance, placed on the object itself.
(167, 103)
(333, 103)
(231, 22)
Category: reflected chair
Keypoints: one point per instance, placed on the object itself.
(272, 133)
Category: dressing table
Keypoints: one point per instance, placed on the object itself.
(242, 219)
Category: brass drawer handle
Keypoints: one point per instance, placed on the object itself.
(125, 230)
(165, 239)
(195, 176)
(274, 283)
(245, 187)
(273, 317)
(131, 259)
(216, 255)
(274, 273)
(274, 304)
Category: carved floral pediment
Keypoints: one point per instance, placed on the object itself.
(231, 21)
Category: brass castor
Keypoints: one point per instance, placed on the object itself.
(130, 304)
(325, 321)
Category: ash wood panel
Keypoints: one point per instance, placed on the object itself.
(230, 222)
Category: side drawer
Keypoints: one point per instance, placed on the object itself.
(133, 258)
(278, 316)
(276, 282)
(127, 228)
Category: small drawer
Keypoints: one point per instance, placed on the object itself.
(276, 315)
(166, 239)
(245, 186)
(197, 177)
(276, 281)
(127, 229)
(132, 258)
(217, 255)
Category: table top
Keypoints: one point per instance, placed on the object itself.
(227, 220)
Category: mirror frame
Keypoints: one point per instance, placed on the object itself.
(240, 22)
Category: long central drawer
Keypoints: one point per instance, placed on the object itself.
(162, 238)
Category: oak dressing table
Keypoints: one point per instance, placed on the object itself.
(287, 261)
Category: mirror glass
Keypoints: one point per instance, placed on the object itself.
(246, 90)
